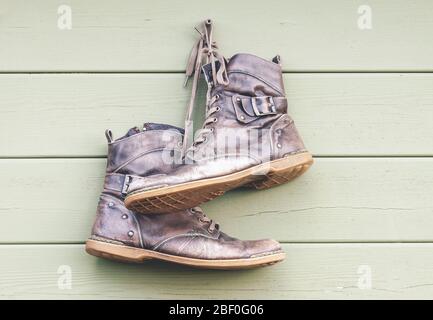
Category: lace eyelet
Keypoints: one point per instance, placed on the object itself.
(215, 119)
(218, 108)
(217, 96)
(211, 129)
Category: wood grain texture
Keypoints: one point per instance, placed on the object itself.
(311, 271)
(337, 114)
(138, 35)
(337, 200)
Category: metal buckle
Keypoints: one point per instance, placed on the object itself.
(126, 183)
(270, 103)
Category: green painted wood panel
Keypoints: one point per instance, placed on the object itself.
(137, 35)
(337, 114)
(337, 200)
(311, 271)
(364, 207)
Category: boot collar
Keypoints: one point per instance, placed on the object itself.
(266, 71)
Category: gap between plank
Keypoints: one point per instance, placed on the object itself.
(183, 72)
(314, 156)
(427, 242)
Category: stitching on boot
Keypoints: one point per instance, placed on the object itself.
(102, 239)
(140, 235)
(265, 254)
(195, 234)
(137, 156)
(258, 78)
(294, 152)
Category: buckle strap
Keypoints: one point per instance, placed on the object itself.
(118, 182)
(249, 108)
(263, 106)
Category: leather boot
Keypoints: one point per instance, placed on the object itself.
(186, 237)
(247, 138)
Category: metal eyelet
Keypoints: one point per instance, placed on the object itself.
(124, 216)
(211, 129)
(111, 204)
(218, 108)
(130, 233)
(278, 131)
(242, 117)
(238, 99)
(217, 96)
(215, 119)
(279, 145)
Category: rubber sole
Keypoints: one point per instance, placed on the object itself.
(193, 193)
(136, 255)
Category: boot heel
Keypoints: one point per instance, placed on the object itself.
(115, 252)
(284, 170)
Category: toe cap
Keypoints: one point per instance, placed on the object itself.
(262, 247)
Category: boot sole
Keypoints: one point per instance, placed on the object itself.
(191, 194)
(137, 255)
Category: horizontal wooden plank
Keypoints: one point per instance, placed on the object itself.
(311, 271)
(337, 114)
(337, 200)
(139, 35)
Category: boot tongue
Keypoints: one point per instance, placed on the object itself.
(161, 126)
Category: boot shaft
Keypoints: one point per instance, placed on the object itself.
(144, 152)
(252, 76)
(138, 153)
(246, 107)
(150, 151)
(248, 115)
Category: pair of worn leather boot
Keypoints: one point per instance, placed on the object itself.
(156, 177)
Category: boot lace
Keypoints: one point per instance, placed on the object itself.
(198, 212)
(204, 49)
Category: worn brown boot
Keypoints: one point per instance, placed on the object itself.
(186, 237)
(247, 138)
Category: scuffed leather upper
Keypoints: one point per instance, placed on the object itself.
(250, 75)
(241, 136)
(187, 233)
